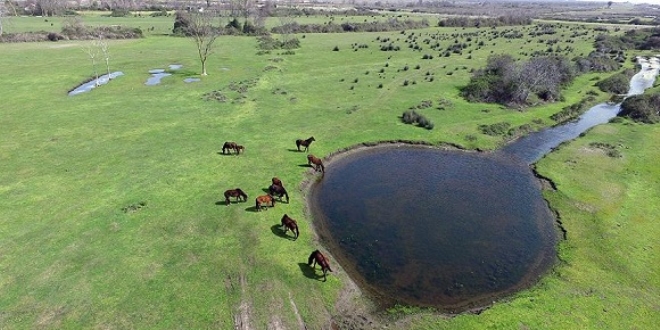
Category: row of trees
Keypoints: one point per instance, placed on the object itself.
(465, 21)
(389, 25)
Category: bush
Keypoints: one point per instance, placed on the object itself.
(495, 129)
(618, 83)
(642, 108)
(412, 117)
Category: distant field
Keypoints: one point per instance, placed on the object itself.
(112, 208)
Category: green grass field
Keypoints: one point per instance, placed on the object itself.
(77, 251)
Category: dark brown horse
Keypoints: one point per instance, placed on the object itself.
(304, 143)
(318, 257)
(263, 201)
(317, 163)
(277, 181)
(289, 223)
(236, 193)
(229, 146)
(279, 191)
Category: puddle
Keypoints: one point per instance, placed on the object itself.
(158, 74)
(102, 80)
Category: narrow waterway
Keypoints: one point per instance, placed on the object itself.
(533, 147)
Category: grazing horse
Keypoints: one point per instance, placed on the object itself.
(236, 193)
(318, 163)
(277, 182)
(264, 200)
(289, 223)
(279, 191)
(304, 143)
(318, 257)
(229, 146)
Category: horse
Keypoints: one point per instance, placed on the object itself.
(289, 223)
(276, 181)
(279, 191)
(229, 146)
(318, 257)
(263, 200)
(318, 163)
(304, 143)
(236, 193)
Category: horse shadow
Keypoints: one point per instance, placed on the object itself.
(309, 272)
(294, 150)
(266, 190)
(226, 154)
(252, 209)
(305, 165)
(277, 230)
(223, 202)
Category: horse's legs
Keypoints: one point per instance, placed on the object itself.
(325, 270)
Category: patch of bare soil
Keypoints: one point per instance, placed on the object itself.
(301, 323)
(242, 318)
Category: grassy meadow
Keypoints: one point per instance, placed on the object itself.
(112, 214)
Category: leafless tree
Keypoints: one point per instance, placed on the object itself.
(3, 14)
(51, 7)
(102, 45)
(202, 30)
(92, 52)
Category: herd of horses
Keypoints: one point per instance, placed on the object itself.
(277, 190)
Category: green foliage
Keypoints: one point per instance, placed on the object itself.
(267, 42)
(120, 12)
(412, 117)
(572, 111)
(495, 129)
(618, 83)
(642, 108)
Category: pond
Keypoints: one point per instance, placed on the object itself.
(429, 227)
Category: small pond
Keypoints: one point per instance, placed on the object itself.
(429, 227)
(102, 80)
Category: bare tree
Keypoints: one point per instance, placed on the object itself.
(103, 46)
(3, 13)
(92, 51)
(202, 30)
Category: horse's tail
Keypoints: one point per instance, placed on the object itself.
(286, 195)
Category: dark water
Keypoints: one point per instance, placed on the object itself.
(534, 146)
(428, 227)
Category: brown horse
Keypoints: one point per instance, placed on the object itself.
(229, 146)
(304, 143)
(317, 163)
(278, 182)
(263, 201)
(289, 223)
(279, 191)
(318, 257)
(236, 193)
